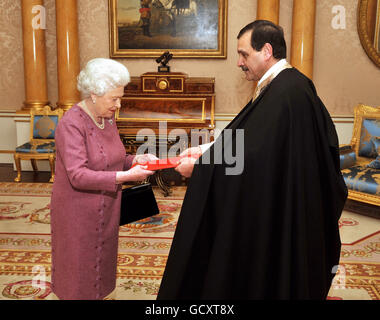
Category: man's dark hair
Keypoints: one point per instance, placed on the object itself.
(264, 31)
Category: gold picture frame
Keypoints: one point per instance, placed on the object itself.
(186, 28)
(369, 28)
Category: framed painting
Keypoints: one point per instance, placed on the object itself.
(186, 28)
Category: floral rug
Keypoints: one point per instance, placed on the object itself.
(358, 276)
(25, 259)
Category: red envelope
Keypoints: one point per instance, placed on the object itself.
(162, 163)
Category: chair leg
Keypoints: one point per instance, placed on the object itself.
(52, 168)
(34, 164)
(18, 167)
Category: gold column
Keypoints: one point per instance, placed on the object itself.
(302, 50)
(268, 10)
(34, 51)
(67, 53)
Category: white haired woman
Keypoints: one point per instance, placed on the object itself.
(91, 164)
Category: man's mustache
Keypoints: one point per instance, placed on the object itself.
(244, 68)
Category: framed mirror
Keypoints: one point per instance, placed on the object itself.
(369, 28)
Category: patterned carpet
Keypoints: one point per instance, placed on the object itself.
(358, 276)
(143, 248)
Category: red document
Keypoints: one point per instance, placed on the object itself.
(162, 163)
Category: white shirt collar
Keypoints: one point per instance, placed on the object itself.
(273, 69)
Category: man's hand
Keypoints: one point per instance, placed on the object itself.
(186, 166)
(195, 152)
(189, 157)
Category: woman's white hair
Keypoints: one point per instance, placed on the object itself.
(101, 75)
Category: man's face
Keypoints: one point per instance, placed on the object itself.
(252, 62)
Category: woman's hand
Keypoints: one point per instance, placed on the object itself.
(143, 158)
(137, 173)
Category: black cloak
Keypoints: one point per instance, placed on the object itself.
(272, 231)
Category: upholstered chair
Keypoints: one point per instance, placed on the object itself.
(360, 160)
(41, 145)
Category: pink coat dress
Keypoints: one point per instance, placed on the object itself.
(85, 206)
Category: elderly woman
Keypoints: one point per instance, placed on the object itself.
(90, 167)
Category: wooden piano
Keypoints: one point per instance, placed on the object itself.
(165, 110)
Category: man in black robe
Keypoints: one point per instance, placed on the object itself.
(269, 231)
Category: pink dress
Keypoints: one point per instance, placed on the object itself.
(85, 206)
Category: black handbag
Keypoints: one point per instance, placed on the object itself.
(137, 202)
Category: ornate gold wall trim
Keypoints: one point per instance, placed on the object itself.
(336, 118)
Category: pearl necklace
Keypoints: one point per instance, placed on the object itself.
(99, 125)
